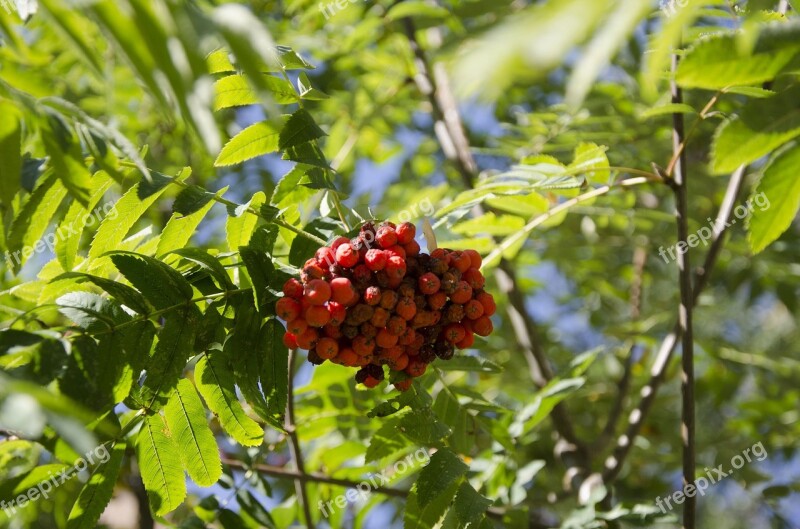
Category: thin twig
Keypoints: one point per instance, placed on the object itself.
(687, 304)
(294, 447)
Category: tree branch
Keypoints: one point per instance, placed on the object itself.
(455, 145)
(687, 304)
(294, 447)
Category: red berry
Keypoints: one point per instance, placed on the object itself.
(379, 317)
(386, 237)
(474, 258)
(429, 283)
(332, 331)
(467, 342)
(312, 270)
(483, 326)
(343, 291)
(317, 316)
(385, 339)
(473, 309)
(361, 274)
(462, 293)
(347, 357)
(293, 289)
(290, 340)
(376, 259)
(372, 296)
(405, 233)
(399, 251)
(412, 249)
(363, 345)
(396, 325)
(346, 256)
(460, 261)
(327, 348)
(338, 242)
(416, 367)
(403, 385)
(454, 332)
(297, 326)
(317, 292)
(325, 257)
(371, 381)
(406, 308)
(400, 363)
(337, 312)
(396, 267)
(288, 309)
(441, 253)
(307, 339)
(489, 306)
(437, 301)
(389, 299)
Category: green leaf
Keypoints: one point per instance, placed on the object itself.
(452, 413)
(219, 62)
(10, 146)
(162, 285)
(66, 157)
(121, 292)
(300, 128)
(780, 186)
(209, 263)
(667, 110)
(291, 60)
(90, 311)
(71, 26)
(416, 517)
(233, 91)
(761, 127)
(164, 368)
(214, 380)
(444, 469)
(130, 209)
(543, 403)
(469, 363)
(423, 426)
(180, 228)
(416, 8)
(275, 368)
(717, 62)
(591, 161)
(78, 217)
(256, 140)
(491, 224)
(191, 200)
(469, 506)
(385, 442)
(160, 464)
(186, 418)
(97, 492)
(240, 226)
(30, 224)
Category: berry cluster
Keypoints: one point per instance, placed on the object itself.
(377, 300)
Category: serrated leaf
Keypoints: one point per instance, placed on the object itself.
(423, 426)
(667, 110)
(122, 293)
(219, 62)
(452, 413)
(97, 492)
(761, 127)
(190, 200)
(469, 506)
(162, 285)
(71, 228)
(275, 368)
(491, 224)
(256, 140)
(437, 477)
(416, 517)
(385, 442)
(239, 228)
(299, 128)
(179, 229)
(214, 380)
(469, 363)
(160, 464)
(164, 368)
(90, 311)
(780, 186)
(186, 418)
(207, 262)
(717, 62)
(233, 91)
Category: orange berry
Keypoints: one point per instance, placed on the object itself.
(483, 326)
(290, 340)
(474, 258)
(317, 291)
(317, 316)
(288, 309)
(327, 348)
(297, 326)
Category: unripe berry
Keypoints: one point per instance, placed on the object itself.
(290, 340)
(429, 283)
(376, 259)
(386, 237)
(293, 289)
(317, 292)
(346, 256)
(327, 348)
(483, 326)
(288, 309)
(405, 233)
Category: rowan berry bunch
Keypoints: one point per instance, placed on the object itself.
(376, 300)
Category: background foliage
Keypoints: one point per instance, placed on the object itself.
(233, 139)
